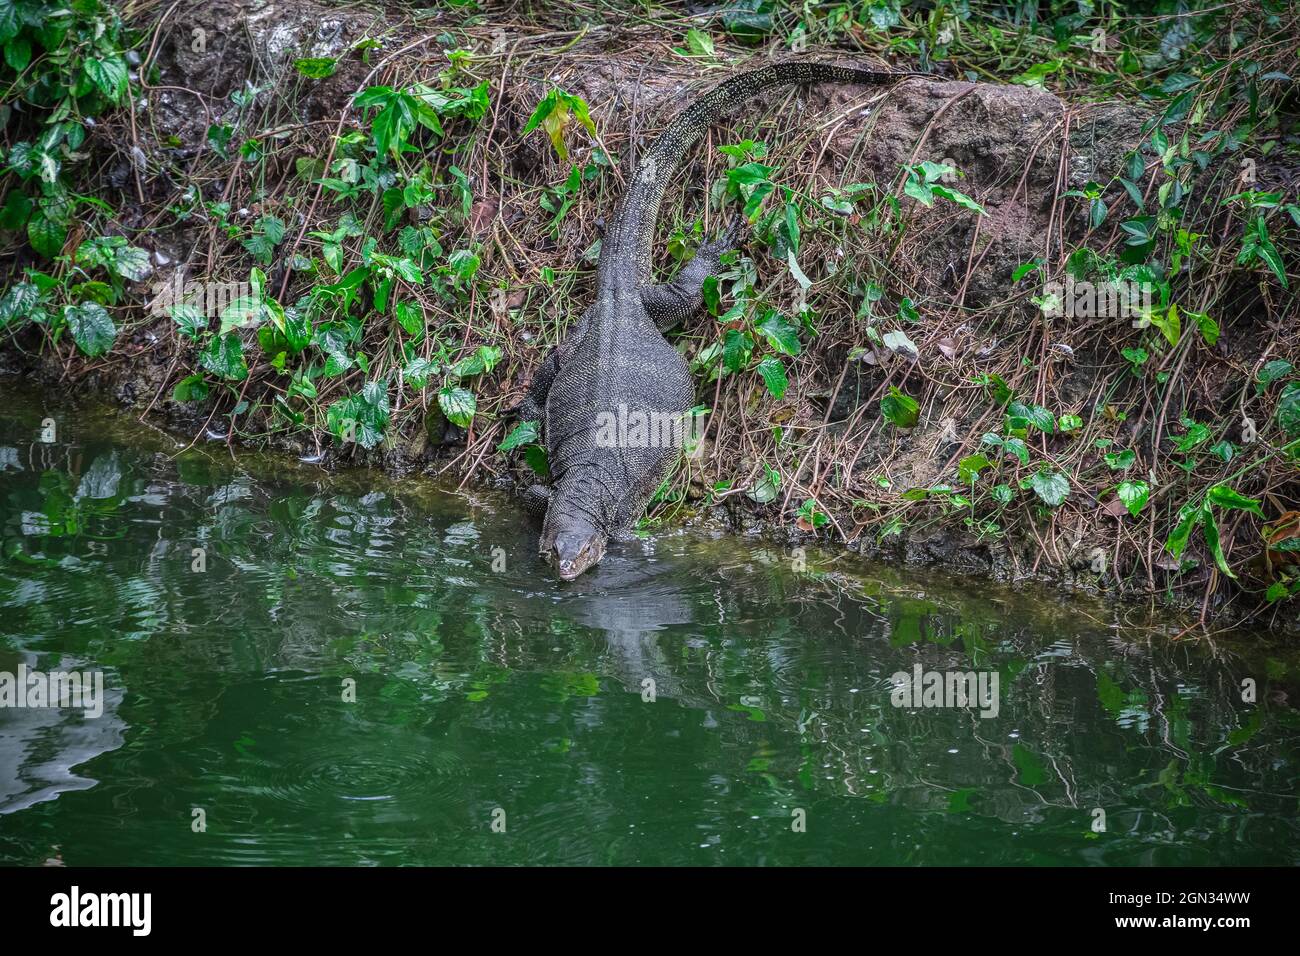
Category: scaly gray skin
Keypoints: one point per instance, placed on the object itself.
(617, 355)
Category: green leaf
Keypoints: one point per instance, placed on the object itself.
(525, 433)
(109, 75)
(810, 513)
(458, 404)
(736, 349)
(1134, 193)
(1169, 324)
(1025, 268)
(394, 206)
(554, 114)
(1017, 447)
(538, 460)
(1139, 230)
(192, 388)
(1268, 253)
(1270, 373)
(92, 328)
(9, 22)
(1019, 415)
(472, 103)
(961, 199)
(268, 232)
(699, 42)
(46, 235)
(1288, 410)
(1001, 391)
(483, 360)
(19, 301)
(773, 373)
(747, 19)
(242, 312)
(780, 332)
(417, 371)
(900, 408)
(920, 494)
(712, 296)
(361, 417)
(132, 263)
(464, 264)
(1224, 450)
(218, 138)
(969, 468)
(1189, 516)
(1035, 75)
(16, 209)
(1052, 487)
(920, 191)
(224, 357)
(1120, 460)
(410, 318)
(1226, 497)
(190, 320)
(1134, 494)
(1211, 530)
(18, 53)
(393, 125)
(1137, 357)
(1179, 108)
(1196, 434)
(1208, 327)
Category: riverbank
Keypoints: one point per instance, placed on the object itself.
(923, 351)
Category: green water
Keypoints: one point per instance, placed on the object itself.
(489, 693)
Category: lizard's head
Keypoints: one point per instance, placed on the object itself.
(571, 545)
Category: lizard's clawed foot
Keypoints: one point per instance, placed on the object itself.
(525, 410)
(732, 236)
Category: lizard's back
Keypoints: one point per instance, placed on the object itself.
(611, 409)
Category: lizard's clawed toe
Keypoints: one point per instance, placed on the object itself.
(734, 234)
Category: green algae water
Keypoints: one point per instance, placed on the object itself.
(300, 668)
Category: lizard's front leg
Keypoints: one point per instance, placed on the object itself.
(537, 498)
(533, 406)
(672, 303)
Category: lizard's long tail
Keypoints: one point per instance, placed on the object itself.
(631, 234)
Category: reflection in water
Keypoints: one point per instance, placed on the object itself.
(41, 747)
(348, 670)
(632, 597)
